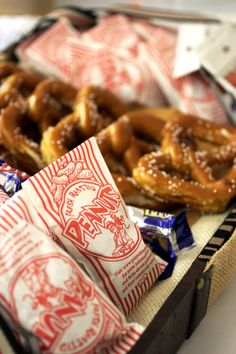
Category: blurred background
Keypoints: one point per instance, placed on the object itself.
(43, 6)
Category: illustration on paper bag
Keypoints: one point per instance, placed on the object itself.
(65, 299)
(92, 212)
(122, 240)
(67, 173)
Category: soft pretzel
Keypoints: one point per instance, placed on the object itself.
(146, 125)
(119, 146)
(16, 87)
(159, 172)
(21, 137)
(97, 108)
(50, 101)
(122, 137)
(180, 132)
(116, 138)
(58, 140)
(155, 174)
(134, 195)
(159, 158)
(122, 151)
(83, 123)
(165, 114)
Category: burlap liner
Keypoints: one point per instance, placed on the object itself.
(224, 268)
(4, 345)
(202, 229)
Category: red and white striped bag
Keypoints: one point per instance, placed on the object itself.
(81, 208)
(3, 197)
(133, 58)
(47, 295)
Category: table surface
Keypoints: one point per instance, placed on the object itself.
(216, 333)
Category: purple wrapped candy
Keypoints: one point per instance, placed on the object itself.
(166, 234)
(11, 178)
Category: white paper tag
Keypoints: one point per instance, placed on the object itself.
(218, 56)
(190, 36)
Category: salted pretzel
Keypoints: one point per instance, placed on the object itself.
(133, 194)
(156, 172)
(64, 136)
(56, 140)
(122, 151)
(16, 87)
(119, 141)
(179, 137)
(68, 133)
(21, 137)
(178, 142)
(50, 101)
(97, 108)
(131, 127)
(83, 123)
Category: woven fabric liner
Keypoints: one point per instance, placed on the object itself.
(224, 268)
(202, 229)
(5, 347)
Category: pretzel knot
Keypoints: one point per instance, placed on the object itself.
(94, 109)
(97, 108)
(20, 135)
(17, 87)
(51, 101)
(122, 150)
(181, 173)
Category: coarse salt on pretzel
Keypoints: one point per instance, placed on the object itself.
(153, 173)
(67, 134)
(87, 119)
(97, 108)
(61, 138)
(50, 101)
(133, 194)
(118, 140)
(17, 86)
(21, 137)
(180, 132)
(160, 173)
(156, 172)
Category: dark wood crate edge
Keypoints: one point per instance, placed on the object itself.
(179, 315)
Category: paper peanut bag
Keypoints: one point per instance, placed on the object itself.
(82, 210)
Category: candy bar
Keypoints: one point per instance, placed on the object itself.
(166, 234)
(11, 178)
(81, 208)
